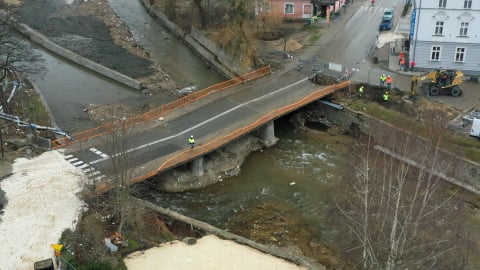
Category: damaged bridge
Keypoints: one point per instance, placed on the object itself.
(154, 142)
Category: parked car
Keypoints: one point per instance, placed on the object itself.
(388, 14)
(386, 25)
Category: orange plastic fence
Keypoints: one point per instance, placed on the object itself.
(162, 110)
(201, 150)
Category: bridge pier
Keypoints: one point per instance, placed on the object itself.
(267, 134)
(197, 166)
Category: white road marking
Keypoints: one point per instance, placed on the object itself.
(77, 163)
(71, 160)
(204, 122)
(83, 166)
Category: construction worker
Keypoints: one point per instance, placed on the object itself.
(389, 81)
(386, 96)
(402, 64)
(400, 57)
(360, 91)
(383, 78)
(191, 141)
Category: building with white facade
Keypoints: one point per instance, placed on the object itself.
(446, 34)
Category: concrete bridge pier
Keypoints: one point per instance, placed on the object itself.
(197, 166)
(267, 134)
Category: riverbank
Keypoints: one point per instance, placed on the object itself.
(92, 30)
(103, 225)
(209, 252)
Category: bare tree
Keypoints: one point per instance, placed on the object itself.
(120, 171)
(395, 211)
(202, 12)
(16, 57)
(237, 36)
(171, 9)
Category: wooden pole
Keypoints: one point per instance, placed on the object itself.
(1, 143)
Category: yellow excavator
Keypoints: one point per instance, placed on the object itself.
(444, 81)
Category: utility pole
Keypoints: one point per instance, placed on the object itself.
(1, 144)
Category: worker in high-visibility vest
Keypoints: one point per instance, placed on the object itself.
(191, 141)
(389, 81)
(386, 97)
(360, 91)
(383, 78)
(403, 64)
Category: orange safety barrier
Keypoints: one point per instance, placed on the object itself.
(201, 150)
(163, 109)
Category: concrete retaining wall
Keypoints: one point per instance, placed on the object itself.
(455, 169)
(217, 53)
(213, 54)
(43, 41)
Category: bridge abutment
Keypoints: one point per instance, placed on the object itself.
(197, 166)
(267, 134)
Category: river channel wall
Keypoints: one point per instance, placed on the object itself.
(446, 165)
(201, 44)
(43, 41)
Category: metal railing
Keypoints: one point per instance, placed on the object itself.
(201, 150)
(161, 110)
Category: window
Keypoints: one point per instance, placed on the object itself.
(442, 3)
(435, 56)
(439, 28)
(460, 55)
(265, 7)
(463, 29)
(289, 7)
(467, 4)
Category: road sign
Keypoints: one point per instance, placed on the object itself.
(57, 248)
(412, 23)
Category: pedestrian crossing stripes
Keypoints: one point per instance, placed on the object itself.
(369, 7)
(83, 166)
(77, 163)
(71, 159)
(92, 174)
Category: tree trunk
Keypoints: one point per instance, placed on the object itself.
(203, 14)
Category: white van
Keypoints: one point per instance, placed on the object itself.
(475, 131)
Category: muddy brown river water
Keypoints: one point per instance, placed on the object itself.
(284, 195)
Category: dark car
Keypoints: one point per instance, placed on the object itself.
(386, 24)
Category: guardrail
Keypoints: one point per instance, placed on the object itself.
(211, 146)
(161, 110)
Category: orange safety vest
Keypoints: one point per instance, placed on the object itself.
(402, 61)
(389, 79)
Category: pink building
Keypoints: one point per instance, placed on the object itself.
(287, 9)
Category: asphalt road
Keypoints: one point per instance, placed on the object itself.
(213, 117)
(348, 42)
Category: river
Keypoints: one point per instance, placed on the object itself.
(287, 195)
(290, 182)
(284, 193)
(181, 63)
(69, 88)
